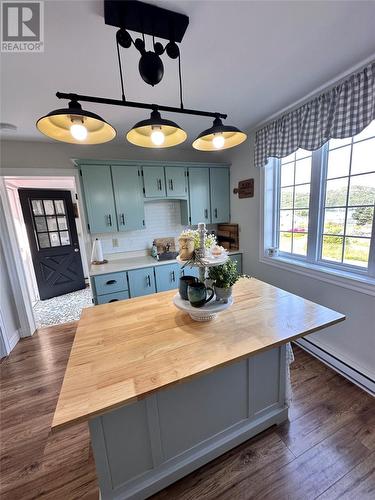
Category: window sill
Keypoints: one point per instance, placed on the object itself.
(345, 279)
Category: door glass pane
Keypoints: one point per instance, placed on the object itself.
(60, 206)
(359, 221)
(64, 235)
(332, 248)
(334, 220)
(37, 207)
(52, 223)
(338, 162)
(336, 192)
(285, 243)
(362, 190)
(49, 207)
(356, 251)
(40, 224)
(363, 159)
(62, 223)
(43, 240)
(55, 240)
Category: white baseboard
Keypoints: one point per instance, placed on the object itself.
(13, 340)
(354, 375)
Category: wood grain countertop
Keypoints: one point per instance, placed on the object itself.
(126, 350)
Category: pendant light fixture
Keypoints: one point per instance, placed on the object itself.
(76, 126)
(219, 137)
(156, 132)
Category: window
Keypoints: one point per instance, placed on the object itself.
(323, 205)
(50, 223)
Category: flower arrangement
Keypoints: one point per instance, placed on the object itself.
(225, 275)
(210, 240)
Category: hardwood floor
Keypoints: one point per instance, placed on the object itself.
(325, 451)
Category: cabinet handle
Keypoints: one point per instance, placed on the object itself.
(111, 282)
(112, 300)
(173, 276)
(148, 280)
(205, 213)
(172, 184)
(159, 184)
(123, 219)
(109, 219)
(215, 213)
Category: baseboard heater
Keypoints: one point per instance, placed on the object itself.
(360, 379)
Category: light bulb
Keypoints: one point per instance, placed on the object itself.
(157, 136)
(218, 141)
(78, 131)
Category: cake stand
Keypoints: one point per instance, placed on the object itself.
(206, 313)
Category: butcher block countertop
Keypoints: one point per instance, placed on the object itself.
(125, 350)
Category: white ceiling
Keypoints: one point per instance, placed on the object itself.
(246, 58)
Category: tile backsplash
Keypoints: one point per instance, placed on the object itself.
(162, 218)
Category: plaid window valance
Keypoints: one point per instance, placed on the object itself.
(341, 112)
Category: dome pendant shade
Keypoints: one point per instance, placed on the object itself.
(219, 137)
(59, 125)
(156, 132)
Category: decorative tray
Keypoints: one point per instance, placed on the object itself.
(206, 261)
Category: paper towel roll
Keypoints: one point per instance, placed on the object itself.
(97, 251)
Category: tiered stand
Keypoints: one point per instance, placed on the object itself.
(210, 310)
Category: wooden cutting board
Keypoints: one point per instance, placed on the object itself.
(161, 243)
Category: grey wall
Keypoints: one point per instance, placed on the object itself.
(38, 154)
(352, 341)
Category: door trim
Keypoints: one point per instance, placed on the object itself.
(14, 261)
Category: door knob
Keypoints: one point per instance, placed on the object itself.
(76, 249)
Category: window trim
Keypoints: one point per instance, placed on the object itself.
(346, 275)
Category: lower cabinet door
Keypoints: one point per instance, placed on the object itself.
(112, 297)
(141, 282)
(237, 258)
(167, 277)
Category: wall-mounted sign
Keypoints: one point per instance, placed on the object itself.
(245, 189)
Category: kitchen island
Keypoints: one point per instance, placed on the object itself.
(164, 394)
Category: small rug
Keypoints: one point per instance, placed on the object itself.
(62, 309)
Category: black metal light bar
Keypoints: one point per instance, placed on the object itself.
(140, 105)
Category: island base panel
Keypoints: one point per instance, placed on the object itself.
(145, 446)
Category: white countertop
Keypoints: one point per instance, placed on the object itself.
(128, 263)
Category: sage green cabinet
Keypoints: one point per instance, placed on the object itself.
(141, 282)
(175, 180)
(219, 189)
(199, 195)
(154, 182)
(100, 203)
(127, 187)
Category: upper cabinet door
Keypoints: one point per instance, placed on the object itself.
(127, 186)
(219, 182)
(199, 193)
(100, 203)
(175, 179)
(154, 182)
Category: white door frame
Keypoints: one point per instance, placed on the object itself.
(10, 242)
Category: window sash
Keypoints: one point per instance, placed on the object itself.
(319, 168)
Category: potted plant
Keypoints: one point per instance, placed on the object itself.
(223, 278)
